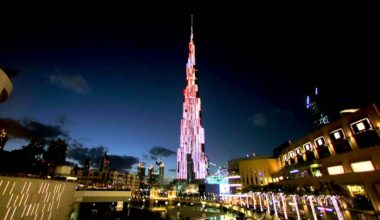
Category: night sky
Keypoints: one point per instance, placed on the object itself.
(116, 80)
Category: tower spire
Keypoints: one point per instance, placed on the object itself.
(192, 22)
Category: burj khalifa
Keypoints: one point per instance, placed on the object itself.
(192, 162)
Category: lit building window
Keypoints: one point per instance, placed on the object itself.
(307, 146)
(335, 170)
(285, 157)
(299, 151)
(362, 166)
(320, 141)
(337, 134)
(292, 154)
(361, 125)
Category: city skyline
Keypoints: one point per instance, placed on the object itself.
(117, 81)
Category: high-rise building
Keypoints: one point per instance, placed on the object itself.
(152, 175)
(192, 162)
(141, 171)
(317, 110)
(160, 168)
(104, 162)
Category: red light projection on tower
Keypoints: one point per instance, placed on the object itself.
(192, 162)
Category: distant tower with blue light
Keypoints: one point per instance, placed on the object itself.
(317, 110)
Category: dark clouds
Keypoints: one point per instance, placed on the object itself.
(79, 153)
(122, 162)
(159, 151)
(28, 129)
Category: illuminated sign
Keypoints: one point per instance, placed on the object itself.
(335, 170)
(216, 179)
(224, 188)
(356, 189)
(325, 209)
(362, 166)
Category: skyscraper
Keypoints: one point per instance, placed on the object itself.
(317, 110)
(192, 162)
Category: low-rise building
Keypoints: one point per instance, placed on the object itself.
(345, 152)
(108, 179)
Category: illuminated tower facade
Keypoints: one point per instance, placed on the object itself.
(192, 162)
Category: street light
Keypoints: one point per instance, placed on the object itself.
(178, 212)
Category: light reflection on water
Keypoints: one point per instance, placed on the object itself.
(197, 212)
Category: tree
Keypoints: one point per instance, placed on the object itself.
(28, 158)
(56, 154)
(3, 138)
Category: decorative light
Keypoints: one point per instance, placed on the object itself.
(233, 177)
(362, 166)
(335, 170)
